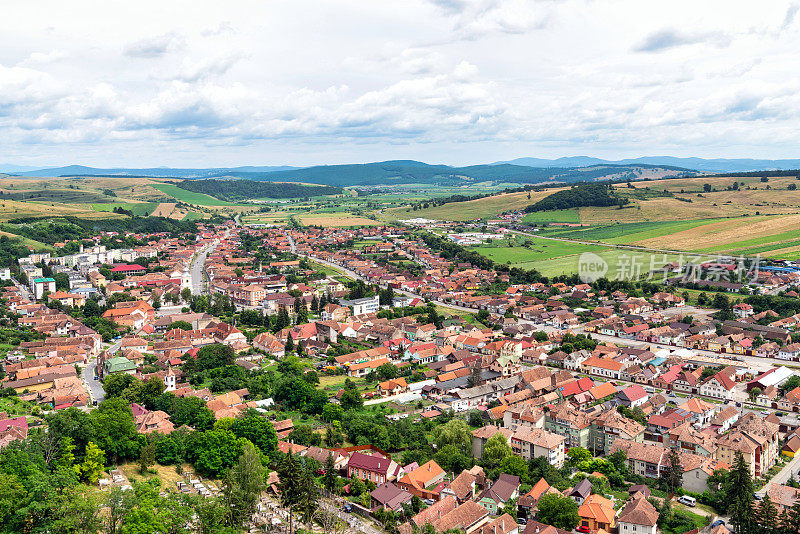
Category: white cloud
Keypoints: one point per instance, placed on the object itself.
(154, 47)
(459, 81)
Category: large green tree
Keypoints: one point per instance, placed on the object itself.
(559, 511)
(739, 491)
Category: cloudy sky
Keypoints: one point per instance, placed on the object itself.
(300, 82)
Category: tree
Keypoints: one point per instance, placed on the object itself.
(387, 371)
(739, 492)
(672, 475)
(93, 464)
(454, 432)
(754, 393)
(243, 485)
(183, 325)
(496, 450)
(257, 429)
(558, 511)
(147, 457)
(186, 294)
(351, 399)
(515, 465)
(765, 517)
(330, 478)
(91, 308)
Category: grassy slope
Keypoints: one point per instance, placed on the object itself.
(190, 197)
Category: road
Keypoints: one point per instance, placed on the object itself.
(95, 387)
(197, 271)
(791, 468)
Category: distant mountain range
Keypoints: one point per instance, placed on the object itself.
(698, 164)
(521, 170)
(382, 173)
(154, 172)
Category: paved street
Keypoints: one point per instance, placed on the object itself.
(791, 468)
(95, 387)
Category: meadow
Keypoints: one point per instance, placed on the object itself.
(190, 197)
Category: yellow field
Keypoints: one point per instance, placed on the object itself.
(12, 209)
(328, 221)
(724, 232)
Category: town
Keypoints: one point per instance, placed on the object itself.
(390, 379)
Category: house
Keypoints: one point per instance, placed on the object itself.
(463, 487)
(597, 513)
(373, 467)
(389, 497)
(637, 516)
(756, 438)
(363, 306)
(504, 489)
(392, 387)
(531, 442)
(719, 386)
(423, 481)
(581, 491)
(468, 517)
(632, 396)
(119, 364)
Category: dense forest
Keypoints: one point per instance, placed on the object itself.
(587, 194)
(233, 190)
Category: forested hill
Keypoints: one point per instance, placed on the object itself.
(415, 172)
(233, 190)
(394, 173)
(592, 194)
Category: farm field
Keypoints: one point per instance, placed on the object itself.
(140, 209)
(330, 221)
(543, 249)
(190, 197)
(483, 208)
(544, 217)
(622, 263)
(730, 234)
(13, 209)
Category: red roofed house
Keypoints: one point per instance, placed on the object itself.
(124, 268)
(374, 468)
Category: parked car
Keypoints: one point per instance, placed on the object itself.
(583, 528)
(347, 508)
(429, 502)
(758, 497)
(717, 523)
(686, 500)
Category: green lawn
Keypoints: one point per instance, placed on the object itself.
(190, 197)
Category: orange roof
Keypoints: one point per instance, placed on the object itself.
(598, 508)
(422, 475)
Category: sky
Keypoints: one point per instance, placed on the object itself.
(271, 82)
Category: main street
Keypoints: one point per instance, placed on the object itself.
(95, 387)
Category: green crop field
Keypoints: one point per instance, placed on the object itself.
(193, 216)
(138, 208)
(543, 217)
(190, 197)
(626, 233)
(542, 249)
